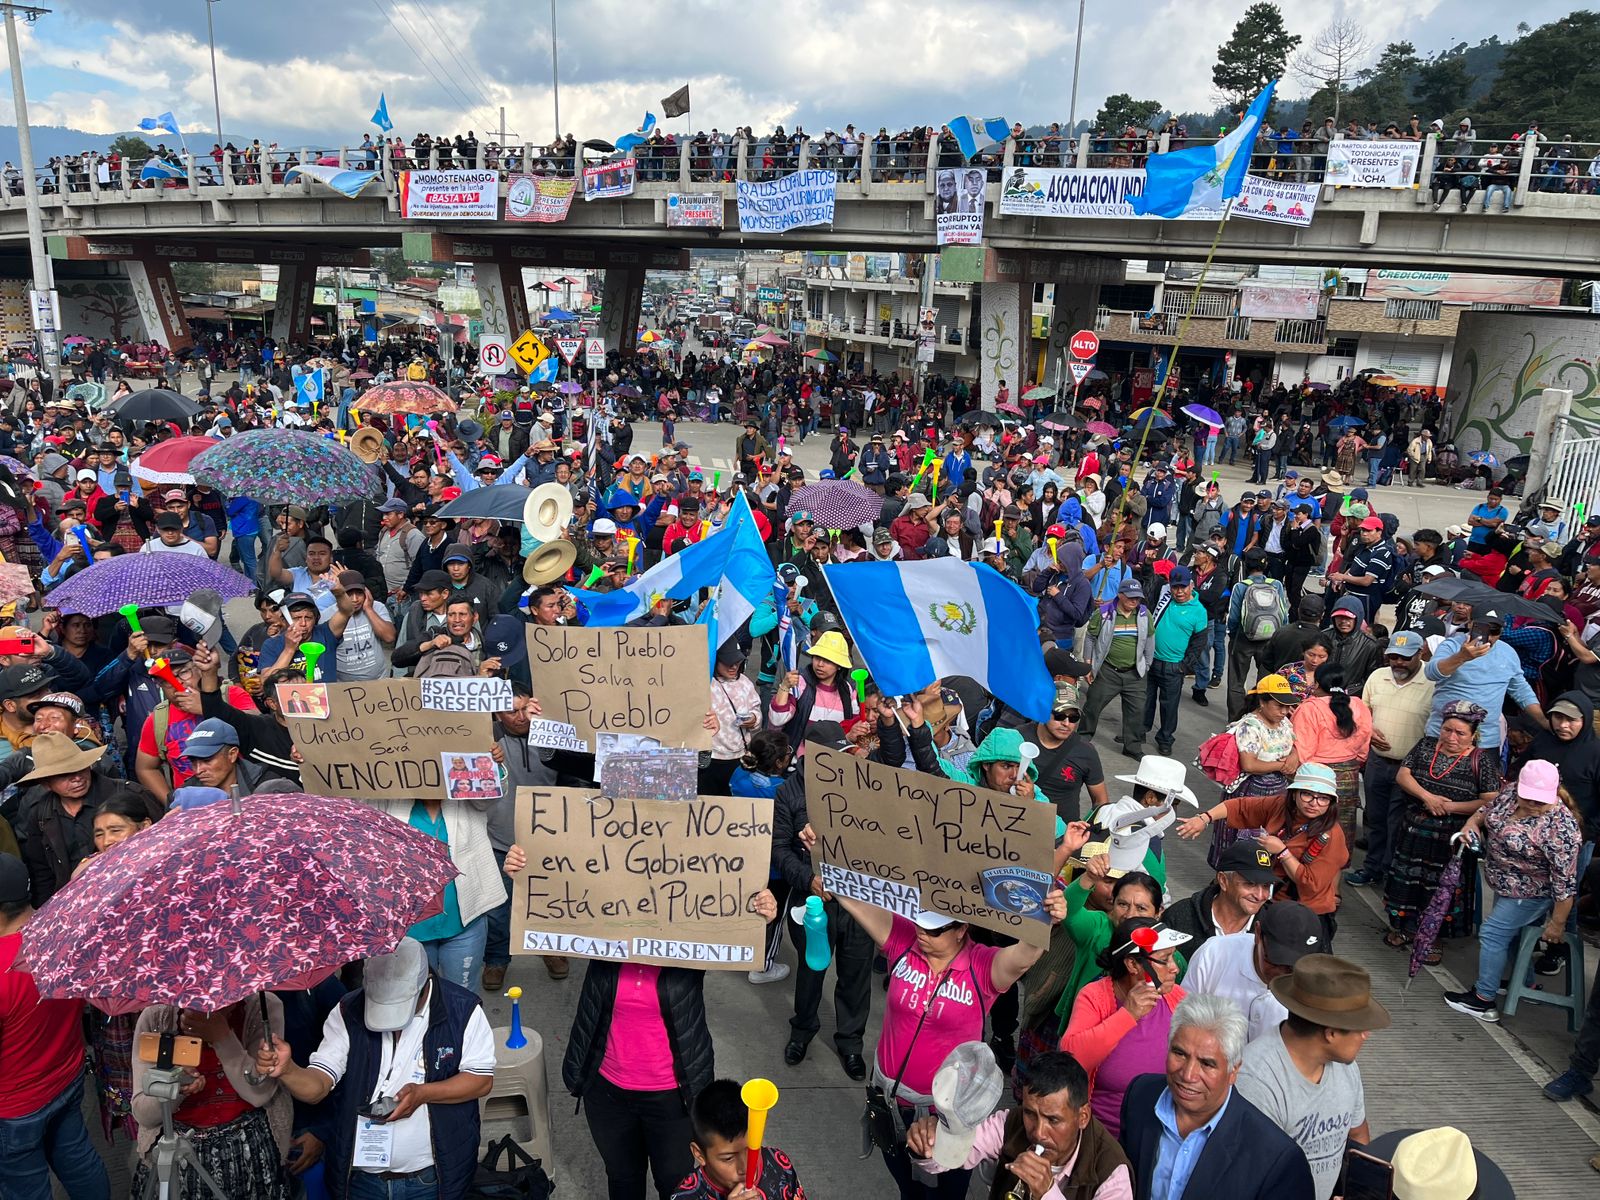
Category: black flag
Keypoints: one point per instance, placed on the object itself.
(676, 104)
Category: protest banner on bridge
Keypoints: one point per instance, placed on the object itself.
(619, 679)
(1380, 164)
(652, 881)
(1098, 193)
(1275, 201)
(904, 841)
(379, 741)
(546, 199)
(694, 210)
(803, 198)
(449, 195)
(1280, 302)
(608, 180)
(958, 206)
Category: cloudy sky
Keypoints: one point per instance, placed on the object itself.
(311, 70)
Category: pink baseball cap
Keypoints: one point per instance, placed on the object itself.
(1539, 782)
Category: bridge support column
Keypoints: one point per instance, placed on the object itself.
(156, 294)
(503, 299)
(621, 295)
(1075, 307)
(291, 311)
(1004, 334)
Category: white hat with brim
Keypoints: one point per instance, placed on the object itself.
(1164, 775)
(391, 985)
(933, 922)
(1314, 777)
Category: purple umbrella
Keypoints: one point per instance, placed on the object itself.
(148, 580)
(569, 388)
(286, 466)
(1206, 416)
(837, 504)
(1432, 919)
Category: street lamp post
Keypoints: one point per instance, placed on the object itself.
(43, 305)
(1077, 53)
(555, 71)
(216, 95)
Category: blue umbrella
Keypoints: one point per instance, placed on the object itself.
(1483, 458)
(560, 314)
(1154, 418)
(1345, 422)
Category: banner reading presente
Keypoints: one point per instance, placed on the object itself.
(1272, 200)
(1379, 164)
(653, 881)
(545, 199)
(624, 680)
(380, 741)
(694, 210)
(803, 198)
(903, 841)
(449, 195)
(609, 180)
(958, 206)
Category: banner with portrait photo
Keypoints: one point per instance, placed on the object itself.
(1276, 202)
(958, 203)
(1376, 164)
(609, 180)
(694, 210)
(778, 205)
(541, 198)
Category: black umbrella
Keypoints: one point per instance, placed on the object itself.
(499, 502)
(598, 144)
(1060, 418)
(977, 417)
(1480, 595)
(154, 404)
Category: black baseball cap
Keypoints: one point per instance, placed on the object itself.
(433, 581)
(505, 638)
(19, 681)
(1289, 932)
(1247, 859)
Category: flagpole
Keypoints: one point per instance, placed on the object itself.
(1183, 329)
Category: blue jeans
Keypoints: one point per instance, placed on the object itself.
(1211, 451)
(1213, 656)
(1498, 934)
(1488, 196)
(364, 1185)
(497, 946)
(1165, 689)
(1374, 465)
(53, 1139)
(458, 958)
(1230, 447)
(244, 550)
(1585, 856)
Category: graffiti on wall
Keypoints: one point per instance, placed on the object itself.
(1504, 361)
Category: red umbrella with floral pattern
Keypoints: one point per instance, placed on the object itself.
(405, 396)
(213, 904)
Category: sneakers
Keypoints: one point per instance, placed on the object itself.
(1552, 961)
(1199, 697)
(1568, 1084)
(1362, 878)
(776, 973)
(1470, 1003)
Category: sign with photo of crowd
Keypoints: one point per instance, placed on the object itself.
(694, 210)
(543, 198)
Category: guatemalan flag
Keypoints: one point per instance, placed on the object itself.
(731, 561)
(346, 182)
(969, 130)
(1202, 177)
(160, 168)
(639, 136)
(380, 115)
(166, 123)
(915, 622)
(310, 387)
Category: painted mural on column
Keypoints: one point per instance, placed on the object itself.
(1504, 361)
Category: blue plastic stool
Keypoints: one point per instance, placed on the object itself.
(1572, 999)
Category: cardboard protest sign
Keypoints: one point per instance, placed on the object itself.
(655, 881)
(903, 840)
(380, 742)
(652, 682)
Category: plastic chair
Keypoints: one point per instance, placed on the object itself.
(1572, 999)
(521, 1093)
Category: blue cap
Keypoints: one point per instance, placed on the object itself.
(195, 796)
(1407, 642)
(1291, 473)
(209, 737)
(1358, 493)
(506, 637)
(1180, 577)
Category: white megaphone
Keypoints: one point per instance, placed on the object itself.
(965, 1091)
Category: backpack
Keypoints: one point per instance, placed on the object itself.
(1258, 618)
(447, 662)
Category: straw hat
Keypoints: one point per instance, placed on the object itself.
(57, 754)
(1439, 1164)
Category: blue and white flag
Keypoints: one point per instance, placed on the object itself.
(1201, 177)
(639, 136)
(166, 123)
(380, 115)
(310, 387)
(160, 168)
(546, 372)
(969, 130)
(789, 652)
(343, 180)
(732, 562)
(915, 622)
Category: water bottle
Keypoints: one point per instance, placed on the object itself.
(818, 953)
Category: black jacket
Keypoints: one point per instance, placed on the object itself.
(1246, 1157)
(1192, 915)
(42, 832)
(1302, 547)
(683, 1011)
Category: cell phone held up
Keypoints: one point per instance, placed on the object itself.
(168, 1050)
(22, 643)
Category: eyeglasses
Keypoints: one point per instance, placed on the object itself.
(1066, 714)
(1314, 798)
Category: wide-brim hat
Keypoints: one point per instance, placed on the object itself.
(1439, 1164)
(1333, 479)
(1331, 992)
(1164, 775)
(57, 754)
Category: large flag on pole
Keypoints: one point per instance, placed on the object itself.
(1202, 177)
(915, 622)
(972, 133)
(676, 104)
(380, 115)
(166, 123)
(160, 168)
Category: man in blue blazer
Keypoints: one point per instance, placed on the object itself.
(1190, 1136)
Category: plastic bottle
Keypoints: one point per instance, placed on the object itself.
(818, 953)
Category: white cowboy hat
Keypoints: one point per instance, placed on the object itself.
(1164, 775)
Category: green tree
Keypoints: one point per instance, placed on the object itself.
(1253, 56)
(1443, 85)
(1383, 92)
(133, 149)
(194, 277)
(392, 263)
(1551, 75)
(1122, 110)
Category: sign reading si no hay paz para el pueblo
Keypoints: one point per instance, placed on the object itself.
(620, 679)
(655, 881)
(379, 741)
(803, 198)
(904, 841)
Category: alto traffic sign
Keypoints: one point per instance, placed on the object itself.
(569, 347)
(1079, 368)
(1084, 344)
(528, 352)
(493, 354)
(594, 353)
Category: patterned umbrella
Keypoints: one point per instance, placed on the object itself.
(649, 337)
(90, 393)
(1483, 458)
(1101, 429)
(838, 503)
(405, 396)
(285, 466)
(15, 465)
(168, 462)
(213, 905)
(1432, 919)
(1041, 392)
(16, 582)
(154, 404)
(1154, 418)
(826, 356)
(148, 580)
